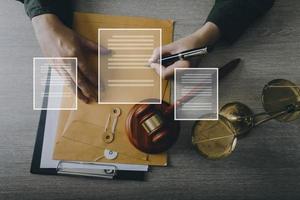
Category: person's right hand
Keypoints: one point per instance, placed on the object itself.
(57, 40)
(186, 43)
(207, 34)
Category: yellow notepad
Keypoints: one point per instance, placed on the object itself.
(79, 135)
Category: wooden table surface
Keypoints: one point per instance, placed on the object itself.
(265, 165)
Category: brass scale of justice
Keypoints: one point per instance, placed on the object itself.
(151, 128)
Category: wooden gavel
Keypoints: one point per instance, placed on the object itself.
(151, 128)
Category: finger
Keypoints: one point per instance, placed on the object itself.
(86, 88)
(104, 50)
(82, 97)
(156, 67)
(62, 72)
(92, 46)
(82, 83)
(79, 93)
(155, 56)
(168, 72)
(87, 72)
(88, 44)
(159, 51)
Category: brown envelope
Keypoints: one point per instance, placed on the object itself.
(80, 132)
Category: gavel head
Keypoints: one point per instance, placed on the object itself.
(150, 129)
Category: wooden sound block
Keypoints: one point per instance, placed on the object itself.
(161, 130)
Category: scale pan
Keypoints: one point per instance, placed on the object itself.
(277, 95)
(214, 139)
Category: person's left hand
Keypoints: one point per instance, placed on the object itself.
(57, 40)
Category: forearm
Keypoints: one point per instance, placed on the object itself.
(233, 17)
(41, 22)
(208, 34)
(45, 27)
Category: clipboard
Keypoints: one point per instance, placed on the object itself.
(108, 171)
(67, 167)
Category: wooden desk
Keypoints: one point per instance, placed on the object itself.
(265, 165)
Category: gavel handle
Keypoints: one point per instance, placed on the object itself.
(158, 137)
(223, 71)
(180, 102)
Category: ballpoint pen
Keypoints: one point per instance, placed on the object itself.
(185, 55)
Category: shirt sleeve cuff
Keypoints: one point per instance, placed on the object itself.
(225, 19)
(61, 8)
(32, 12)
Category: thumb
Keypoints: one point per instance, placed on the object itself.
(92, 46)
(160, 51)
(155, 55)
(104, 51)
(159, 69)
(88, 44)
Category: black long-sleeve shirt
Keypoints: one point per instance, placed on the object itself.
(61, 8)
(231, 16)
(234, 16)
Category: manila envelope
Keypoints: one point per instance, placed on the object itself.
(80, 132)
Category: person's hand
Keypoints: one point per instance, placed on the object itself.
(189, 42)
(57, 40)
(208, 34)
